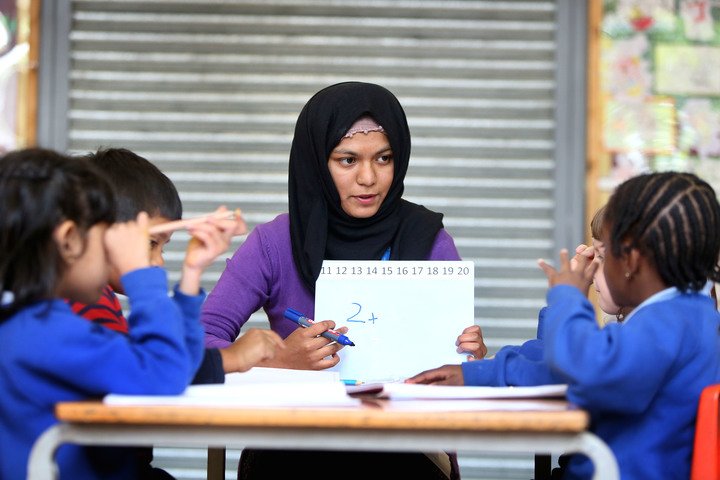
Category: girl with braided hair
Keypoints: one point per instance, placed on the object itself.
(641, 379)
(523, 365)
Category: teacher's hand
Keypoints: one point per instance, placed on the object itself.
(471, 341)
(252, 348)
(305, 349)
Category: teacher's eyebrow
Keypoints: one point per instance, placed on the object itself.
(343, 151)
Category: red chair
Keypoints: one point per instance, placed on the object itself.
(706, 452)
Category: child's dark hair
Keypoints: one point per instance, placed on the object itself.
(40, 189)
(140, 186)
(672, 217)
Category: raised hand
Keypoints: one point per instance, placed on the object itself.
(582, 250)
(210, 238)
(579, 275)
(126, 244)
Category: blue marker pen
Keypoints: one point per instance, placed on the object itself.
(303, 321)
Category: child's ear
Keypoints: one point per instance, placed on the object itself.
(632, 258)
(68, 240)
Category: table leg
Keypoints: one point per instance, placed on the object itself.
(41, 464)
(543, 466)
(216, 463)
(600, 454)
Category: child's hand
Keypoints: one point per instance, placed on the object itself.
(126, 245)
(471, 342)
(254, 346)
(579, 275)
(582, 250)
(445, 375)
(209, 239)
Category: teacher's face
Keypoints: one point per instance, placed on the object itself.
(362, 168)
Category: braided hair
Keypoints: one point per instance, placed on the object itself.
(672, 218)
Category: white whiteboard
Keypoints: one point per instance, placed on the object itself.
(403, 316)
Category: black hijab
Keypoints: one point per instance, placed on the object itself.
(319, 227)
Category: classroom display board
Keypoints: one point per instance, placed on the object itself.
(403, 316)
(660, 88)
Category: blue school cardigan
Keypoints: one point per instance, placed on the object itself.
(50, 355)
(640, 380)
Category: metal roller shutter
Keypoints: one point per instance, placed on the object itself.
(210, 90)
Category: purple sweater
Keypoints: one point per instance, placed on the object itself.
(262, 274)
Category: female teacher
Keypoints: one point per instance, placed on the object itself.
(348, 161)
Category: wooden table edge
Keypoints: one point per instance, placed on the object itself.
(96, 412)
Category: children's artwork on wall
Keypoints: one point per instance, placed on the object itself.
(627, 70)
(697, 19)
(647, 127)
(628, 16)
(700, 136)
(660, 88)
(687, 70)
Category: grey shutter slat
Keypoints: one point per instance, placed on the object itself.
(210, 90)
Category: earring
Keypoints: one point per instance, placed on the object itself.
(628, 275)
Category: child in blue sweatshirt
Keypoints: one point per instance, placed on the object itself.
(523, 365)
(140, 186)
(641, 379)
(59, 240)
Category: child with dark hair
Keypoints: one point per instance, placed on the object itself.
(59, 240)
(141, 186)
(641, 379)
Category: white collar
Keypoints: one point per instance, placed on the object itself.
(660, 296)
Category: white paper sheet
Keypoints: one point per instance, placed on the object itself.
(258, 395)
(403, 316)
(454, 405)
(281, 375)
(409, 391)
